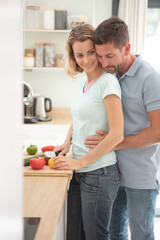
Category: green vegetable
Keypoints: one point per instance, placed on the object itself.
(32, 149)
(26, 160)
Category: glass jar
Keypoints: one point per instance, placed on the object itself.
(39, 54)
(28, 61)
(60, 60)
(49, 55)
(61, 19)
(32, 17)
(49, 19)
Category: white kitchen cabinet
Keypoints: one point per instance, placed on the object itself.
(54, 83)
(61, 230)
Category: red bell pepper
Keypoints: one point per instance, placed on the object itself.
(47, 148)
(37, 163)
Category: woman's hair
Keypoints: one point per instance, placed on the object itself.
(80, 33)
(113, 30)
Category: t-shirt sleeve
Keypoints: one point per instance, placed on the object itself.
(151, 92)
(110, 85)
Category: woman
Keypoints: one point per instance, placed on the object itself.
(96, 178)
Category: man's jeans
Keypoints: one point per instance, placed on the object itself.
(90, 200)
(137, 205)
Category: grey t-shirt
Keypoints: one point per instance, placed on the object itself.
(140, 168)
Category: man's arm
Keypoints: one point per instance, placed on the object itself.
(145, 138)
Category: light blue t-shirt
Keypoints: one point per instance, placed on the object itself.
(89, 115)
(140, 168)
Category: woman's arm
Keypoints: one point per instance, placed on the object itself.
(64, 148)
(115, 136)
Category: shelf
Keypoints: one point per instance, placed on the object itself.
(43, 69)
(44, 30)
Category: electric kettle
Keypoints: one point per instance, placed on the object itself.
(42, 105)
(28, 102)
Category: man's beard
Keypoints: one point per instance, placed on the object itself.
(113, 68)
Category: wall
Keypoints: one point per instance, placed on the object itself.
(57, 86)
(11, 121)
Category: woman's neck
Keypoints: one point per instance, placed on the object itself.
(93, 76)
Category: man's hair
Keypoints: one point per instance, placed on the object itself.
(80, 33)
(113, 30)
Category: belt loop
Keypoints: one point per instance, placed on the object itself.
(105, 170)
(82, 176)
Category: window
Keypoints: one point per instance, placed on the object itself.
(115, 4)
(152, 48)
(152, 39)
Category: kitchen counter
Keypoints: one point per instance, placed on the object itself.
(59, 116)
(46, 171)
(43, 135)
(45, 190)
(44, 195)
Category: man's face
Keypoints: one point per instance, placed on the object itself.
(111, 58)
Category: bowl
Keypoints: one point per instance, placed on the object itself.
(74, 21)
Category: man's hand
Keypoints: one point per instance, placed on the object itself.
(92, 141)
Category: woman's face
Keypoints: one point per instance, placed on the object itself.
(85, 55)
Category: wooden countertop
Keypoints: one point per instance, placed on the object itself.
(45, 189)
(44, 194)
(59, 116)
(46, 171)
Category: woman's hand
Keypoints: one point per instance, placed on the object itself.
(66, 163)
(63, 149)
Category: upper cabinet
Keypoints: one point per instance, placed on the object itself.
(42, 56)
(49, 22)
(46, 28)
(51, 80)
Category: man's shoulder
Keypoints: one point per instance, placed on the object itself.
(147, 68)
(145, 73)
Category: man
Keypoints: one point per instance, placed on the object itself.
(139, 154)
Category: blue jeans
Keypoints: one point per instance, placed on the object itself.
(90, 200)
(135, 207)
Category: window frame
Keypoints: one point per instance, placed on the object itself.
(151, 4)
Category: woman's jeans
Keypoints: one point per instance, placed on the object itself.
(90, 200)
(137, 205)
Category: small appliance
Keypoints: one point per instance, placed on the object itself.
(42, 105)
(28, 103)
